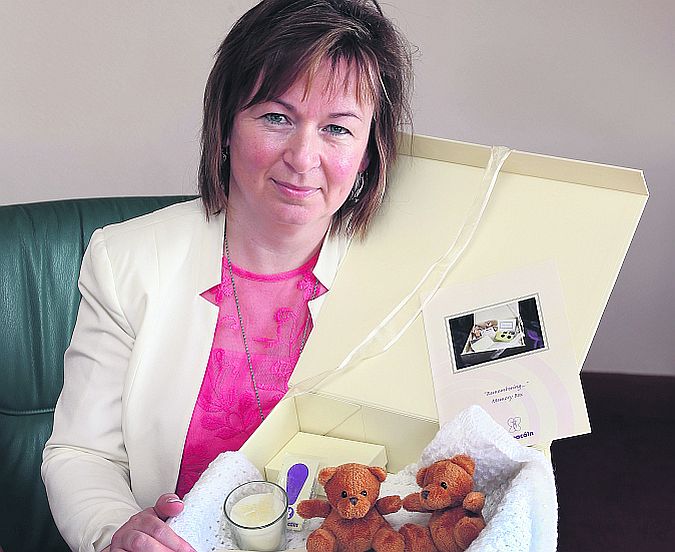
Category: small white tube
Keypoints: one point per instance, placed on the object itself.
(297, 476)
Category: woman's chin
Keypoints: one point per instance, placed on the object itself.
(301, 217)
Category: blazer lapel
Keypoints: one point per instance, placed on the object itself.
(173, 366)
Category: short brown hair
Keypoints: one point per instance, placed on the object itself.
(277, 42)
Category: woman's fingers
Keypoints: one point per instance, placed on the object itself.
(168, 505)
(147, 532)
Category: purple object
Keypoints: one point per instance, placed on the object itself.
(295, 479)
(534, 336)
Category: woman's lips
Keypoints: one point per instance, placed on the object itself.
(298, 192)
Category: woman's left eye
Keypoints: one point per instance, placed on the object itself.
(337, 130)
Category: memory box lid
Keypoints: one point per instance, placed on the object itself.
(579, 215)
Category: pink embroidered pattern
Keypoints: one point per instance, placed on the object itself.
(275, 313)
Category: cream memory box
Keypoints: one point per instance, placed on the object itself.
(365, 374)
(578, 216)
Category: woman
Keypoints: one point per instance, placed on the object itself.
(193, 317)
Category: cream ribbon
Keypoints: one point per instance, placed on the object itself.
(403, 315)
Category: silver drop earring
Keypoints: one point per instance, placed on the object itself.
(358, 187)
(225, 153)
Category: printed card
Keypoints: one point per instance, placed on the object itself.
(504, 344)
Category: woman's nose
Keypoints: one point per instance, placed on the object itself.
(302, 152)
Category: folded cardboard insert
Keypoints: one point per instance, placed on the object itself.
(329, 451)
(364, 432)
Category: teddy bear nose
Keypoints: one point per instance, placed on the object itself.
(425, 494)
(353, 500)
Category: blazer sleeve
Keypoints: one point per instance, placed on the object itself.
(85, 466)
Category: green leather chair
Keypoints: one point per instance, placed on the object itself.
(41, 247)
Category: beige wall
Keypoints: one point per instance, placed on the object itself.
(103, 98)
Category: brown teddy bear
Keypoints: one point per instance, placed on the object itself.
(447, 492)
(353, 513)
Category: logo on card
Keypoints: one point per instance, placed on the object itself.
(514, 426)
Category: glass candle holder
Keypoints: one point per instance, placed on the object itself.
(256, 513)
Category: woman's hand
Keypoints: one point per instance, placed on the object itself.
(147, 530)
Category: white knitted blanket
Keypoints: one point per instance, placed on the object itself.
(520, 508)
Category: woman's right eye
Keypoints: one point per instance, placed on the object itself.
(275, 118)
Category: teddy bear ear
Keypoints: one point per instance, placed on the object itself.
(465, 462)
(325, 475)
(379, 473)
(420, 476)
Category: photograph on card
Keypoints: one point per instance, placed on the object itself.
(496, 332)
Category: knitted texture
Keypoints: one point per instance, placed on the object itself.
(201, 521)
(520, 507)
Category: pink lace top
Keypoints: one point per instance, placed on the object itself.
(275, 314)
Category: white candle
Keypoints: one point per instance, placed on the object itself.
(254, 518)
(257, 510)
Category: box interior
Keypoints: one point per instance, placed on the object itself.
(403, 436)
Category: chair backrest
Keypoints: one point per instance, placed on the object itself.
(41, 248)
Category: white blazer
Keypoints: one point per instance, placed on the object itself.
(134, 366)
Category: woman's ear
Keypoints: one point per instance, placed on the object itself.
(365, 161)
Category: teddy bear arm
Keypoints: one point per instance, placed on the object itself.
(474, 502)
(413, 503)
(313, 508)
(388, 505)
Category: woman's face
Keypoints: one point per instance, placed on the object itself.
(294, 159)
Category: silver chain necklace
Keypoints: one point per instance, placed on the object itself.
(241, 325)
